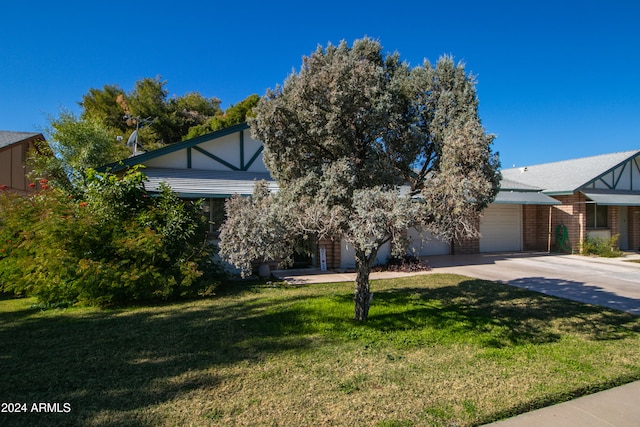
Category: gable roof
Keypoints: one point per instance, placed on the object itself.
(8, 138)
(568, 176)
(139, 159)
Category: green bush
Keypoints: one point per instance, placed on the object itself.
(604, 247)
(112, 245)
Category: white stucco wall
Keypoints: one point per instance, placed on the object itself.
(347, 255)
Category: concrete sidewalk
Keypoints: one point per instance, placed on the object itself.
(315, 275)
(611, 282)
(618, 407)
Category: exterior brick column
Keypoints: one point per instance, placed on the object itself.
(613, 221)
(467, 246)
(535, 227)
(634, 228)
(332, 246)
(529, 227)
(571, 214)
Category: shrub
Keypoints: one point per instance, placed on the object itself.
(405, 264)
(604, 247)
(112, 245)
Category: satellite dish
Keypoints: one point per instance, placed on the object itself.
(133, 138)
(132, 142)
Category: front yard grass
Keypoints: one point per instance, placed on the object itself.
(437, 350)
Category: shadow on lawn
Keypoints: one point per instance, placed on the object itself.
(124, 361)
(498, 315)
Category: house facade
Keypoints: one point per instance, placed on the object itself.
(599, 197)
(212, 167)
(14, 149)
(530, 206)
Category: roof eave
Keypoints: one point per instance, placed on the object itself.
(560, 192)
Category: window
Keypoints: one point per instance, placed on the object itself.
(597, 216)
(214, 209)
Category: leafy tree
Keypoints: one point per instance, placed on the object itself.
(192, 110)
(257, 231)
(166, 119)
(362, 147)
(106, 106)
(112, 245)
(75, 145)
(91, 140)
(233, 115)
(148, 100)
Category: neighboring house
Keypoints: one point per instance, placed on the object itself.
(599, 195)
(523, 216)
(14, 149)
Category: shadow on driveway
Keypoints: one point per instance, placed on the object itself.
(613, 283)
(577, 291)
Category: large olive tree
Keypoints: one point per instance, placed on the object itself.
(363, 146)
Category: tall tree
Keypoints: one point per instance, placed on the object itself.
(76, 146)
(105, 106)
(192, 110)
(362, 147)
(233, 115)
(170, 118)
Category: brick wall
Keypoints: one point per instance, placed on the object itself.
(529, 227)
(535, 227)
(571, 214)
(613, 220)
(332, 246)
(466, 246)
(545, 233)
(634, 228)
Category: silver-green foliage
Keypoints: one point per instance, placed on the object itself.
(255, 230)
(363, 146)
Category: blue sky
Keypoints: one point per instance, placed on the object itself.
(556, 79)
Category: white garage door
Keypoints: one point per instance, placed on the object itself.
(501, 228)
(425, 244)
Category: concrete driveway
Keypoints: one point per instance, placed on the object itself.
(607, 282)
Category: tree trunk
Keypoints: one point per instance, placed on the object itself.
(362, 293)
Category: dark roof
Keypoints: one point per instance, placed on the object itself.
(8, 138)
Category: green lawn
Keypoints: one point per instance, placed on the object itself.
(437, 350)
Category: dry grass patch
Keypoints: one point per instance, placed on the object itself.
(437, 350)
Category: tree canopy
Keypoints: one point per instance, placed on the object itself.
(363, 146)
(172, 119)
(74, 146)
(110, 115)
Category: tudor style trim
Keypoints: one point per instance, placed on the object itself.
(172, 148)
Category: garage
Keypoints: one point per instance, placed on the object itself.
(501, 228)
